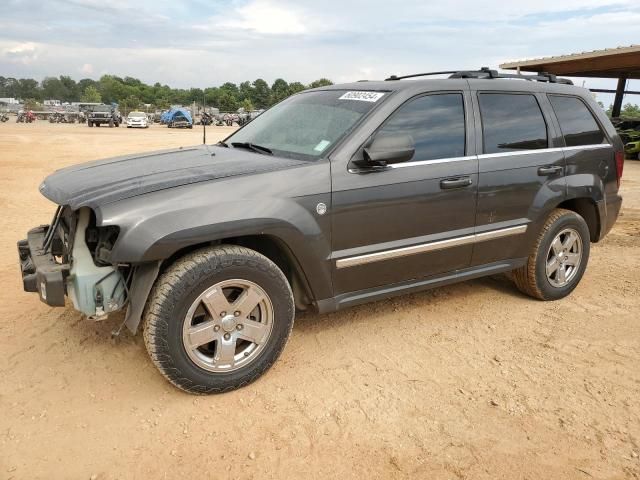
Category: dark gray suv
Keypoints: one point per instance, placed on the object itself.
(334, 197)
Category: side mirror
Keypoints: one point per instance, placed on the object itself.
(387, 149)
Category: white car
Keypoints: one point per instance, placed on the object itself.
(137, 119)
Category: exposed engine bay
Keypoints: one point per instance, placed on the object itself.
(82, 250)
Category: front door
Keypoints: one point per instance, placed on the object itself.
(414, 219)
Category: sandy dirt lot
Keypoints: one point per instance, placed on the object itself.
(469, 381)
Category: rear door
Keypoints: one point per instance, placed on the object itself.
(588, 152)
(521, 169)
(413, 219)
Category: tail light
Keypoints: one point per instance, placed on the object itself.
(619, 166)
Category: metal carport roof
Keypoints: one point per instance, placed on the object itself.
(622, 63)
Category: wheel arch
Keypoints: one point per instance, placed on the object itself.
(588, 209)
(272, 247)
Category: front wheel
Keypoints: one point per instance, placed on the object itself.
(558, 259)
(218, 318)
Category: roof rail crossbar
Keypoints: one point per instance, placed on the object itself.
(395, 77)
(487, 73)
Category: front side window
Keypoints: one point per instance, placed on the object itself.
(435, 122)
(576, 122)
(511, 122)
(307, 125)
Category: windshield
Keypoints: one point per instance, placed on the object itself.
(306, 125)
(100, 108)
(136, 114)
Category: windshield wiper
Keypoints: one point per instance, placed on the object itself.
(222, 144)
(253, 147)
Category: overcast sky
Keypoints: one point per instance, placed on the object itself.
(207, 42)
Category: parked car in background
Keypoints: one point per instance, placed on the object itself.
(334, 197)
(137, 120)
(632, 150)
(177, 118)
(103, 115)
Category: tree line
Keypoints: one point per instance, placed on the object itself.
(131, 93)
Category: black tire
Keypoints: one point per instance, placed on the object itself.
(90, 123)
(180, 286)
(110, 123)
(531, 278)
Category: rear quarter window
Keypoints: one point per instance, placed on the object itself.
(577, 123)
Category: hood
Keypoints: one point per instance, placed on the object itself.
(105, 181)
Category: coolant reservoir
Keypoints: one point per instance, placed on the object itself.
(95, 291)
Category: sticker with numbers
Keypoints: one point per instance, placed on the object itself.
(362, 96)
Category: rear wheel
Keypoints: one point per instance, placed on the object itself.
(218, 318)
(558, 259)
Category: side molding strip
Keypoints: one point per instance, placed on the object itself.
(429, 247)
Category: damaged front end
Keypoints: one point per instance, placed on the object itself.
(71, 257)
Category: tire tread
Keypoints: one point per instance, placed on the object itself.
(525, 276)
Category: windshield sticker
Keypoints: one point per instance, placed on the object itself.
(322, 145)
(362, 96)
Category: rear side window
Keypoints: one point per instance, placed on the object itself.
(511, 122)
(576, 122)
(435, 122)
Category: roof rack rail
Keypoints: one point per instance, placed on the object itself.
(487, 73)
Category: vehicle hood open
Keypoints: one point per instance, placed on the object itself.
(105, 181)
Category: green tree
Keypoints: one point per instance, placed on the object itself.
(628, 110)
(247, 105)
(279, 90)
(162, 103)
(227, 102)
(129, 104)
(231, 89)
(29, 88)
(295, 87)
(84, 83)
(53, 88)
(91, 95)
(71, 91)
(323, 82)
(261, 94)
(246, 91)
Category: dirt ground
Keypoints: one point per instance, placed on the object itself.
(469, 381)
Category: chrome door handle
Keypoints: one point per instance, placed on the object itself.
(549, 170)
(459, 182)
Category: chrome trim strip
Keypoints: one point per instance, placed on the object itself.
(595, 146)
(545, 150)
(429, 247)
(488, 155)
(520, 152)
(432, 162)
(503, 232)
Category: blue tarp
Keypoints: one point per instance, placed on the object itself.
(175, 114)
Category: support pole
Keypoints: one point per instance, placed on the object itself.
(617, 102)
